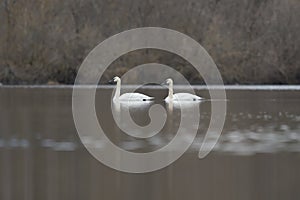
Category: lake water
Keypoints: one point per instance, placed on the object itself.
(256, 157)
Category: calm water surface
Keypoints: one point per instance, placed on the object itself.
(256, 157)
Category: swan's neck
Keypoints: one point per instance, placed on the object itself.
(170, 90)
(118, 90)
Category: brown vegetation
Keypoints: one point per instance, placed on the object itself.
(251, 41)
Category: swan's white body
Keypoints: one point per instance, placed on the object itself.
(179, 96)
(128, 96)
(183, 97)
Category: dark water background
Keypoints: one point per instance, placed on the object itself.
(257, 156)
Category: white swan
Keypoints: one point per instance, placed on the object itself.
(179, 96)
(128, 96)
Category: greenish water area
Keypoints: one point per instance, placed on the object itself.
(256, 157)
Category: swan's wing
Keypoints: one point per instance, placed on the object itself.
(135, 97)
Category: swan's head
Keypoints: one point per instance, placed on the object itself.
(114, 80)
(169, 81)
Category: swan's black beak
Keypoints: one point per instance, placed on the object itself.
(112, 82)
(164, 83)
